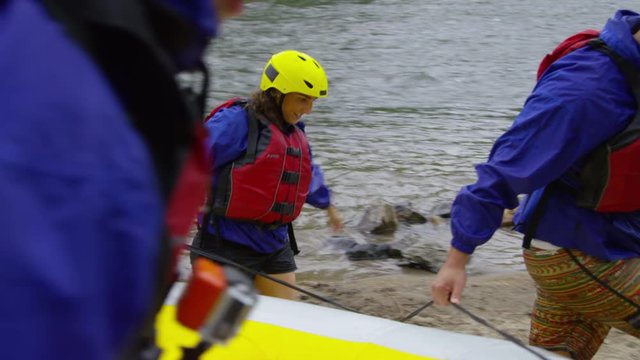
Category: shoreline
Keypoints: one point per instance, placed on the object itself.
(503, 299)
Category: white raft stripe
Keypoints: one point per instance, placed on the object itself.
(409, 338)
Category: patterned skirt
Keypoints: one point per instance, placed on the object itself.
(574, 313)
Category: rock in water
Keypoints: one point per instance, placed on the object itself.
(342, 241)
(417, 262)
(405, 214)
(373, 252)
(379, 219)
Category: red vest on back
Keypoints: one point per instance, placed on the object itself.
(270, 182)
(568, 45)
(610, 178)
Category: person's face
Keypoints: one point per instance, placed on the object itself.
(295, 105)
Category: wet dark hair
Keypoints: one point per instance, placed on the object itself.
(265, 104)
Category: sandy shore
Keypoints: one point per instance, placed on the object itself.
(504, 300)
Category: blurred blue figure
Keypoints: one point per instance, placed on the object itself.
(93, 133)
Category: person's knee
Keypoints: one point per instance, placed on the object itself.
(271, 288)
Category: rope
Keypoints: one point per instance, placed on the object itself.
(226, 261)
(478, 319)
(504, 334)
(416, 311)
(600, 281)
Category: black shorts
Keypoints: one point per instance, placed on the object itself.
(277, 262)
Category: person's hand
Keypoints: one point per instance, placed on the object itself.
(451, 279)
(335, 220)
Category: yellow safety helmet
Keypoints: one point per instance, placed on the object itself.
(294, 71)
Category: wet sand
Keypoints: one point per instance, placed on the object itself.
(504, 300)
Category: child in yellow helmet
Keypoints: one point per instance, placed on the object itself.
(263, 172)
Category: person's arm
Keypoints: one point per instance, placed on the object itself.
(320, 194)
(320, 197)
(227, 136)
(561, 122)
(451, 279)
(335, 219)
(226, 140)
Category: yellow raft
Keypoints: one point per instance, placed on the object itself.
(289, 330)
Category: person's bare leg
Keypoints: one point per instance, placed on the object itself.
(270, 288)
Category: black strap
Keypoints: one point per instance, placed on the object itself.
(252, 136)
(632, 75)
(194, 353)
(295, 152)
(290, 177)
(292, 239)
(536, 215)
(221, 192)
(629, 134)
(283, 208)
(634, 319)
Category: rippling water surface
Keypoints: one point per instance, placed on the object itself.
(419, 91)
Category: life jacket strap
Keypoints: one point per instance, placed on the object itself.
(283, 208)
(630, 133)
(295, 152)
(290, 177)
(536, 215)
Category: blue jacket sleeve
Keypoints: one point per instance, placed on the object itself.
(319, 193)
(561, 122)
(227, 131)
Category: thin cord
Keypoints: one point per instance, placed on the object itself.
(223, 260)
(504, 334)
(478, 319)
(600, 281)
(416, 312)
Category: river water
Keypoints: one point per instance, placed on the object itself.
(419, 90)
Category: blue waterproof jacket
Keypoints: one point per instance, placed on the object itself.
(81, 212)
(581, 101)
(228, 132)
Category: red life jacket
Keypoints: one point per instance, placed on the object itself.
(270, 182)
(610, 177)
(568, 45)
